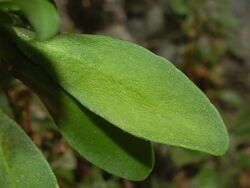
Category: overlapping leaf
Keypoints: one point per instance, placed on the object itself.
(94, 138)
(41, 14)
(21, 163)
(132, 88)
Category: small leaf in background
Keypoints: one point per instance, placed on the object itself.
(132, 88)
(243, 131)
(242, 121)
(42, 15)
(177, 155)
(231, 98)
(98, 141)
(21, 163)
(244, 117)
(180, 7)
(243, 159)
(207, 178)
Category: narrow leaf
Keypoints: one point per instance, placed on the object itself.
(21, 163)
(94, 138)
(132, 88)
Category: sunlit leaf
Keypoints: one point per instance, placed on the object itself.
(94, 138)
(21, 163)
(132, 88)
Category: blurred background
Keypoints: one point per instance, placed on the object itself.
(209, 40)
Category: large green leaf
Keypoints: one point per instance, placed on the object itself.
(94, 138)
(42, 15)
(21, 163)
(132, 88)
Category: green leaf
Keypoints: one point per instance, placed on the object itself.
(8, 6)
(207, 178)
(132, 88)
(21, 164)
(191, 157)
(230, 98)
(41, 14)
(94, 138)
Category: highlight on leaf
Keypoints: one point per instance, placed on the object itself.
(135, 90)
(108, 98)
(95, 139)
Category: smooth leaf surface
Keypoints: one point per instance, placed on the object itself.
(132, 88)
(94, 138)
(8, 6)
(42, 15)
(21, 163)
